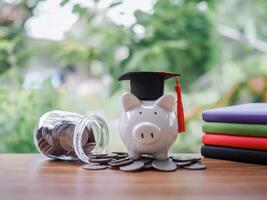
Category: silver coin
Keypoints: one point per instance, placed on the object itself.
(100, 160)
(94, 167)
(133, 167)
(88, 148)
(183, 158)
(120, 156)
(119, 153)
(181, 164)
(164, 165)
(148, 156)
(196, 166)
(121, 162)
(196, 159)
(148, 166)
(112, 155)
(145, 160)
(98, 155)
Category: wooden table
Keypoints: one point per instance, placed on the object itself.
(31, 176)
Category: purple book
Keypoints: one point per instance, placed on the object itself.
(252, 113)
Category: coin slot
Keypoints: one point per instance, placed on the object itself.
(142, 135)
(152, 135)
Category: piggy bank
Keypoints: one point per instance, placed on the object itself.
(148, 127)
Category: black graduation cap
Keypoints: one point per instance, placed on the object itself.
(147, 85)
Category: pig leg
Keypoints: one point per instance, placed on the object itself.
(161, 156)
(134, 155)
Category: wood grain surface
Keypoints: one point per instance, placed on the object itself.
(32, 176)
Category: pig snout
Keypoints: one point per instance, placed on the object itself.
(146, 133)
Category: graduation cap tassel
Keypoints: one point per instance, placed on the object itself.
(180, 110)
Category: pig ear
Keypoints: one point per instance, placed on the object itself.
(167, 101)
(130, 101)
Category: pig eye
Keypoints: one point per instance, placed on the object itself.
(155, 113)
(140, 113)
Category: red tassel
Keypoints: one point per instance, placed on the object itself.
(180, 110)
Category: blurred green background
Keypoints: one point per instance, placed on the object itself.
(68, 55)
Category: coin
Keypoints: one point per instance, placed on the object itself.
(66, 137)
(112, 155)
(120, 156)
(50, 140)
(57, 152)
(72, 154)
(39, 133)
(120, 153)
(43, 145)
(196, 166)
(100, 160)
(41, 141)
(181, 164)
(90, 135)
(121, 162)
(47, 134)
(147, 156)
(133, 167)
(94, 167)
(57, 133)
(88, 148)
(196, 159)
(164, 165)
(145, 160)
(47, 149)
(46, 131)
(182, 158)
(64, 140)
(98, 155)
(148, 166)
(56, 127)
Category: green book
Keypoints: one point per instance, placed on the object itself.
(253, 130)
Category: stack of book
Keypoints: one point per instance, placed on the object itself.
(237, 133)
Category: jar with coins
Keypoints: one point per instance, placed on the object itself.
(71, 136)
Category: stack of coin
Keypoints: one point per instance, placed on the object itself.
(121, 161)
(58, 141)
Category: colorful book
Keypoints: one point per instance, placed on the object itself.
(235, 141)
(253, 130)
(234, 154)
(252, 113)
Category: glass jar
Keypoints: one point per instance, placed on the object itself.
(70, 136)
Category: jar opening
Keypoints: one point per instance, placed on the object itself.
(90, 137)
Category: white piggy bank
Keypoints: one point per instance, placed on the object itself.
(148, 127)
